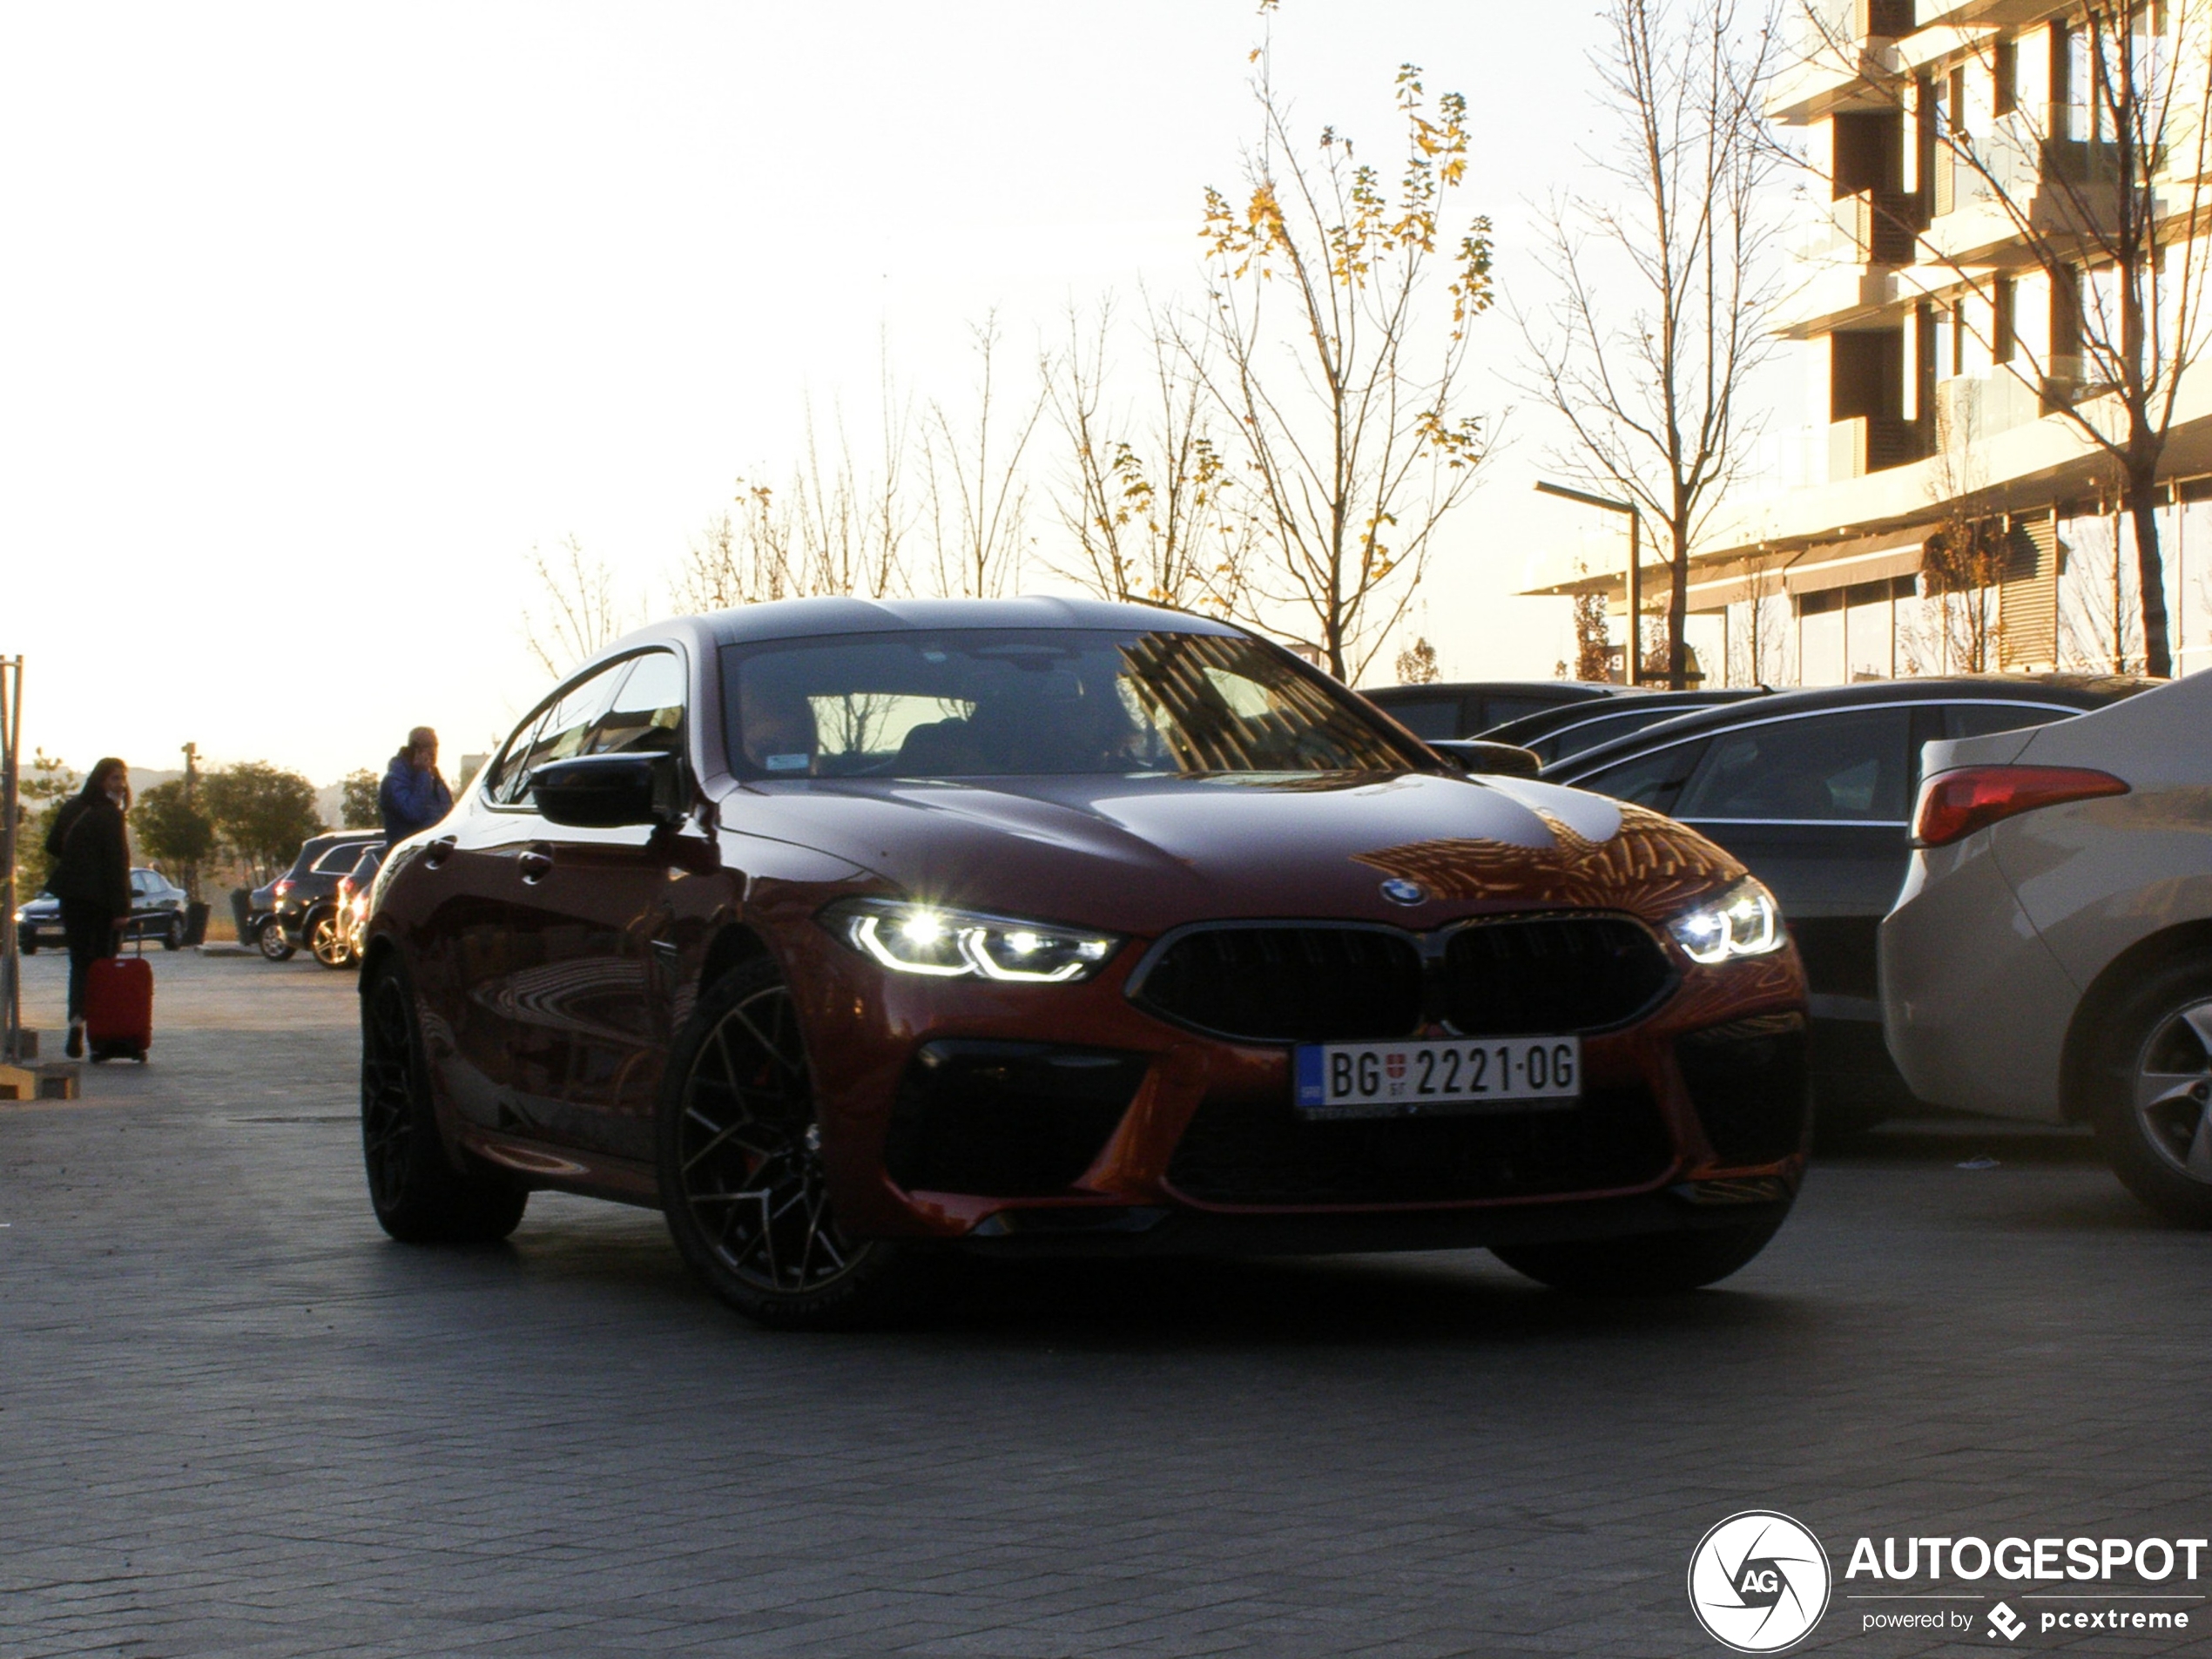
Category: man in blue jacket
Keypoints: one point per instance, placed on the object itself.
(412, 797)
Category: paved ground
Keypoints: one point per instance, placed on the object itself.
(235, 1421)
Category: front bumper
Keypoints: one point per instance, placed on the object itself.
(1164, 1140)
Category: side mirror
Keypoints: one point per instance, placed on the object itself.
(610, 791)
(1480, 759)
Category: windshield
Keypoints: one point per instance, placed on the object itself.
(1002, 701)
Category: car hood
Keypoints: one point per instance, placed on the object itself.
(1142, 855)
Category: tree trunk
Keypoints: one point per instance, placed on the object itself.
(1678, 611)
(2150, 570)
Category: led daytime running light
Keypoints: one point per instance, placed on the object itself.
(1741, 921)
(951, 944)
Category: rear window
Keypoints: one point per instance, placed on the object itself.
(1979, 719)
(1425, 717)
(340, 858)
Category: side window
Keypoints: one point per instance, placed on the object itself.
(561, 734)
(1652, 780)
(142, 882)
(339, 860)
(1842, 768)
(1979, 719)
(647, 714)
(507, 770)
(1497, 710)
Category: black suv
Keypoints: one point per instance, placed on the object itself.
(284, 911)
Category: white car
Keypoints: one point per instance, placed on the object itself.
(2050, 955)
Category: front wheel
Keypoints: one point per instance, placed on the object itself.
(273, 944)
(420, 1196)
(741, 1175)
(2151, 1103)
(172, 936)
(27, 943)
(1656, 1265)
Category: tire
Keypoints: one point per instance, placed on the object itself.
(172, 937)
(274, 946)
(420, 1195)
(741, 1177)
(325, 936)
(26, 944)
(2150, 1090)
(1656, 1265)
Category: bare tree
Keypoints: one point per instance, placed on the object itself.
(976, 492)
(2103, 186)
(1652, 385)
(578, 610)
(1417, 663)
(1148, 500)
(836, 528)
(2095, 617)
(1761, 632)
(1343, 409)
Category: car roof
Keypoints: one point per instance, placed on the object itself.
(1567, 691)
(810, 618)
(1544, 722)
(2076, 690)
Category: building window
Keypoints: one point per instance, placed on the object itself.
(1955, 105)
(2005, 70)
(2000, 330)
(1957, 338)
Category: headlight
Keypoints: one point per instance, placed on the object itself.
(1743, 921)
(912, 938)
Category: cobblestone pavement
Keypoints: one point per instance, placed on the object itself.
(235, 1421)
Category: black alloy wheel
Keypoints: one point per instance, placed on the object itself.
(272, 942)
(2152, 1083)
(420, 1194)
(741, 1174)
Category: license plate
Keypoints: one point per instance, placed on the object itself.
(1412, 1079)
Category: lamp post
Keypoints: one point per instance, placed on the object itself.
(1633, 654)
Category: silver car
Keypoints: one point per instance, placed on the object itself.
(2050, 955)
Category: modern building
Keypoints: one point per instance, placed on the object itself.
(1934, 507)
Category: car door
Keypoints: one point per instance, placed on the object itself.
(590, 935)
(1815, 805)
(459, 942)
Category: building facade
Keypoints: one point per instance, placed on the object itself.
(1934, 507)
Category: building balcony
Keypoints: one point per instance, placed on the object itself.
(1959, 14)
(1868, 443)
(1844, 49)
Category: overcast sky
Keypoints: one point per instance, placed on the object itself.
(317, 319)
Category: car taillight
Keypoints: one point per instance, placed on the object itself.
(345, 888)
(283, 888)
(1956, 804)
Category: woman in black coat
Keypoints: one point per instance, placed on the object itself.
(91, 874)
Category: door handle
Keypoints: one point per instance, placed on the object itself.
(437, 851)
(536, 864)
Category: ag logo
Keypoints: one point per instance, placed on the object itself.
(1758, 1581)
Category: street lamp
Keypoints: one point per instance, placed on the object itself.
(1635, 652)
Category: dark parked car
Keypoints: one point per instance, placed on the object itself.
(1553, 735)
(286, 911)
(336, 940)
(1813, 790)
(157, 912)
(1473, 709)
(843, 931)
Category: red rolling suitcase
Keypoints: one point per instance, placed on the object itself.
(119, 1008)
